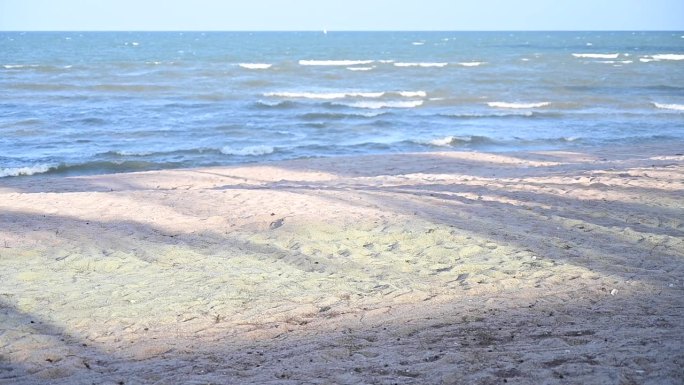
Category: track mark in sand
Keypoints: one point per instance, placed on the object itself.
(277, 223)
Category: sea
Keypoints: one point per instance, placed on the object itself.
(77, 103)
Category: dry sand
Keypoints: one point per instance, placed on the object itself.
(433, 268)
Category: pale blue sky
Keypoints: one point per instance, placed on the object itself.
(341, 15)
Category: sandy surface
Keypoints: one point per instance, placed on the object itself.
(439, 268)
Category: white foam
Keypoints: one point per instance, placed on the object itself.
(31, 170)
(14, 66)
(418, 43)
(675, 107)
(420, 64)
(597, 55)
(333, 62)
(471, 63)
(614, 61)
(324, 95)
(255, 66)
(386, 61)
(668, 56)
(646, 60)
(589, 44)
(442, 142)
(525, 59)
(413, 94)
(517, 105)
(360, 68)
(132, 153)
(248, 151)
(376, 105)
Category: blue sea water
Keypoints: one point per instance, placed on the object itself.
(79, 103)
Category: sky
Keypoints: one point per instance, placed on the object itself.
(256, 15)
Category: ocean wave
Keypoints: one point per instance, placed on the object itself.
(420, 64)
(27, 170)
(451, 140)
(255, 66)
(339, 116)
(660, 57)
(324, 95)
(90, 167)
(18, 66)
(471, 63)
(360, 68)
(615, 61)
(412, 94)
(513, 114)
(280, 104)
(668, 56)
(672, 106)
(248, 151)
(129, 153)
(418, 43)
(596, 55)
(376, 105)
(334, 62)
(517, 105)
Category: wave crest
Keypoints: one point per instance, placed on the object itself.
(27, 170)
(517, 105)
(334, 62)
(596, 55)
(376, 105)
(672, 106)
(248, 151)
(255, 66)
(420, 64)
(324, 95)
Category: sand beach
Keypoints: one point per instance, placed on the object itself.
(561, 267)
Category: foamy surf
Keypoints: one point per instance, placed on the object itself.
(420, 64)
(18, 66)
(451, 140)
(334, 62)
(324, 95)
(442, 142)
(672, 106)
(248, 151)
(30, 170)
(596, 55)
(413, 94)
(376, 105)
(255, 66)
(664, 56)
(471, 63)
(517, 105)
(615, 61)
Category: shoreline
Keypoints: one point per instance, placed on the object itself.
(672, 145)
(442, 267)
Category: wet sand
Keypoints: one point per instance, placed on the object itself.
(430, 268)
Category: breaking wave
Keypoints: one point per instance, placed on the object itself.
(517, 105)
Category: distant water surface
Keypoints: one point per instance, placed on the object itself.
(79, 103)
